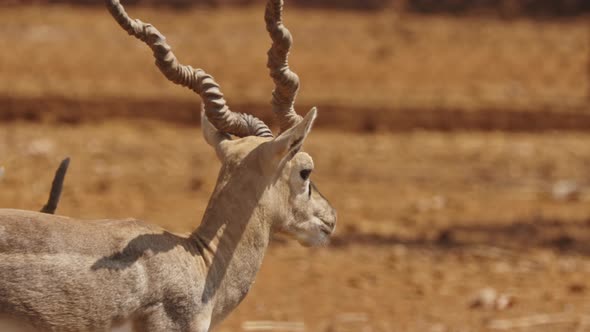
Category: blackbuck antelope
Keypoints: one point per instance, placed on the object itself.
(63, 274)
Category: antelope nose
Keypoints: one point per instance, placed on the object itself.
(330, 220)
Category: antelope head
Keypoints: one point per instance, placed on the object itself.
(269, 175)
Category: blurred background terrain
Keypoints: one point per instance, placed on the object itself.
(452, 138)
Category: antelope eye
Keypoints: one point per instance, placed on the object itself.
(305, 174)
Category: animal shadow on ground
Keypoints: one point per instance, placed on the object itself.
(563, 236)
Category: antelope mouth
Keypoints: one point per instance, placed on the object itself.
(326, 230)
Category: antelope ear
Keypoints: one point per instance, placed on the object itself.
(213, 136)
(286, 146)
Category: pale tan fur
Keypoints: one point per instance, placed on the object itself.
(64, 274)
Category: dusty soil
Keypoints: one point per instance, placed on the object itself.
(427, 219)
(399, 71)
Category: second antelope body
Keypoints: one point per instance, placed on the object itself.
(63, 274)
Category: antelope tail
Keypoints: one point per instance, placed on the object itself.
(56, 187)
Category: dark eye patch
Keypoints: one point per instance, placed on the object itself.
(305, 174)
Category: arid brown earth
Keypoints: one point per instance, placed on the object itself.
(391, 71)
(429, 220)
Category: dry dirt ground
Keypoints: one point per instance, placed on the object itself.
(402, 71)
(427, 219)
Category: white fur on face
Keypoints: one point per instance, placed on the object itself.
(306, 205)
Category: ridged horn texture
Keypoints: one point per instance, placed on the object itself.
(286, 81)
(199, 81)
